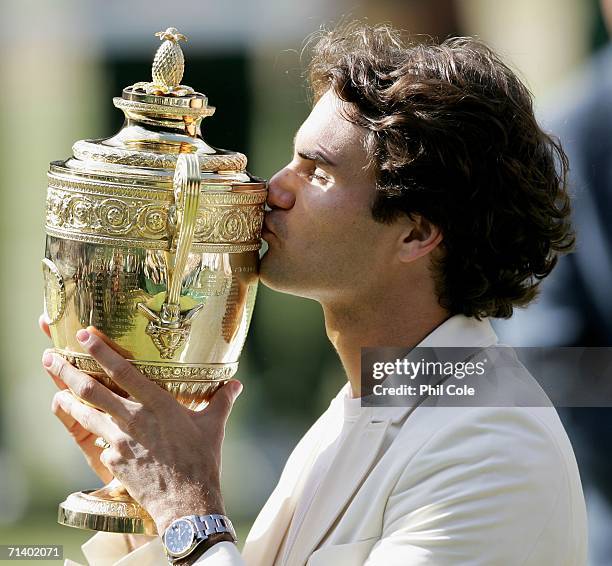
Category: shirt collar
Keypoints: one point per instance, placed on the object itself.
(462, 332)
(459, 331)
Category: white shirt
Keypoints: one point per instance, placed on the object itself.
(350, 413)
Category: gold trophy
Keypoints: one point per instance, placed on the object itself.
(153, 237)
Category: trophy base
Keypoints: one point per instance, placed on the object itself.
(110, 509)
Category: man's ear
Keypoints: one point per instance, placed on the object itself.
(419, 238)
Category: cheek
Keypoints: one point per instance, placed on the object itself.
(335, 210)
(336, 224)
(350, 240)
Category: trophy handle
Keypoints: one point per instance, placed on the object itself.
(170, 328)
(187, 199)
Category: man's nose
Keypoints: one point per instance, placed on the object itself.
(281, 189)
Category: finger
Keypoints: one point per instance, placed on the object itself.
(122, 372)
(110, 342)
(223, 400)
(73, 426)
(85, 440)
(60, 384)
(89, 418)
(43, 323)
(87, 388)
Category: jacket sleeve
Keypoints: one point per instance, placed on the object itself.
(492, 490)
(221, 554)
(110, 549)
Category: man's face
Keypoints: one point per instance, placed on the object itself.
(323, 241)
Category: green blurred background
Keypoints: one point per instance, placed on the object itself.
(60, 64)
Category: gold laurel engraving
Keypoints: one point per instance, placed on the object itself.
(232, 198)
(85, 150)
(225, 248)
(104, 216)
(126, 221)
(218, 224)
(159, 371)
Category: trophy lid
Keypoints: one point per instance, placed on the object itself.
(162, 120)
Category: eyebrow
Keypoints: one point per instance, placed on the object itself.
(316, 156)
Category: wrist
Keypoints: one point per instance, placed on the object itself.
(209, 506)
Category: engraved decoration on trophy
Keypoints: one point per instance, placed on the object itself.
(153, 237)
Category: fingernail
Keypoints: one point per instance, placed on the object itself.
(47, 359)
(82, 336)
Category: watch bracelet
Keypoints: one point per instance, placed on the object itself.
(220, 524)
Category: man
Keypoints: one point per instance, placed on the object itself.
(422, 198)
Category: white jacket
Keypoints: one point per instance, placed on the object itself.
(455, 486)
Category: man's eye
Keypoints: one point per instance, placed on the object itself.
(319, 178)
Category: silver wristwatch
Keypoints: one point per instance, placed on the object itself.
(186, 533)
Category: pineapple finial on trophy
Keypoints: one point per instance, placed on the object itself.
(169, 62)
(168, 66)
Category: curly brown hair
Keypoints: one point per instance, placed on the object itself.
(451, 134)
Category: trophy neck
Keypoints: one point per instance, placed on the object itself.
(157, 129)
(182, 114)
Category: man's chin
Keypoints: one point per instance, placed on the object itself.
(270, 275)
(276, 276)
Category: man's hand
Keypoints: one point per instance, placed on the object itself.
(82, 437)
(168, 457)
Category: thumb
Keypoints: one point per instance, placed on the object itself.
(223, 400)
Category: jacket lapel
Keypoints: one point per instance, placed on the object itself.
(356, 456)
(361, 449)
(268, 530)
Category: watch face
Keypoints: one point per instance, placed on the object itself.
(179, 537)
